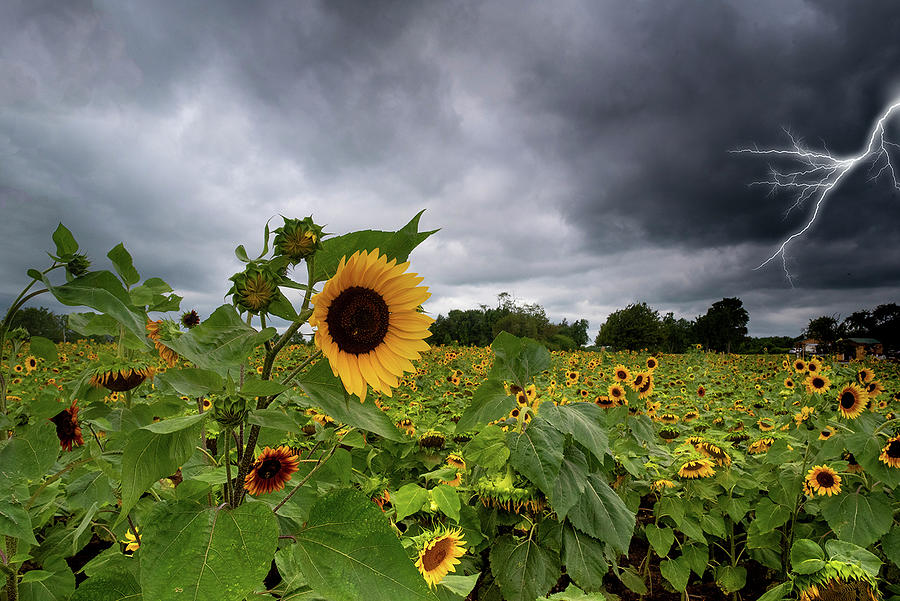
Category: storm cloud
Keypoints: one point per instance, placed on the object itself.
(575, 154)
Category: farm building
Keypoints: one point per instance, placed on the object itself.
(857, 348)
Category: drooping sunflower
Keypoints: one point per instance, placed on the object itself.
(165, 353)
(827, 433)
(890, 454)
(67, 429)
(439, 555)
(823, 480)
(273, 467)
(817, 384)
(714, 452)
(662, 484)
(852, 400)
(456, 460)
(761, 445)
(367, 322)
(697, 468)
(121, 375)
(838, 581)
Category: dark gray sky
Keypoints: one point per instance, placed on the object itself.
(574, 154)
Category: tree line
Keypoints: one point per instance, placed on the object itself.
(881, 323)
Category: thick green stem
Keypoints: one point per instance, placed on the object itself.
(12, 581)
(229, 491)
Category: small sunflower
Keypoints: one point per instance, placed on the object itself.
(697, 468)
(368, 324)
(852, 400)
(165, 353)
(132, 542)
(826, 433)
(645, 390)
(788, 383)
(714, 452)
(190, 319)
(662, 484)
(456, 460)
(67, 429)
(31, 363)
(823, 480)
(890, 454)
(604, 402)
(817, 384)
(652, 363)
(439, 555)
(273, 467)
(701, 391)
(814, 366)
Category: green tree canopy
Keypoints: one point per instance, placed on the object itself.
(724, 326)
(635, 327)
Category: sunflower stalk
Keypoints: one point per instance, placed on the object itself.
(12, 580)
(54, 478)
(229, 493)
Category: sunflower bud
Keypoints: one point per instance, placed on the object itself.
(230, 411)
(78, 265)
(255, 288)
(298, 238)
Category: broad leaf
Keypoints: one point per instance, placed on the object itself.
(583, 558)
(190, 551)
(488, 449)
(806, 557)
(191, 381)
(349, 552)
(396, 245)
(569, 483)
(221, 342)
(447, 499)
(676, 571)
(43, 348)
(843, 551)
(409, 499)
(31, 452)
(15, 522)
(582, 422)
(65, 242)
(861, 518)
(660, 539)
(731, 578)
(490, 402)
(517, 359)
(122, 261)
(523, 569)
(601, 513)
(55, 585)
(154, 452)
(109, 586)
(536, 453)
(325, 391)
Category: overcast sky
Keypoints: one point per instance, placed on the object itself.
(574, 154)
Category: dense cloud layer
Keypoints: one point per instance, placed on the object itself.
(574, 154)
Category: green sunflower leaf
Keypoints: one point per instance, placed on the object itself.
(890, 544)
(124, 264)
(349, 552)
(583, 557)
(518, 360)
(221, 343)
(731, 578)
(806, 556)
(523, 569)
(191, 381)
(111, 586)
(488, 449)
(43, 348)
(536, 453)
(676, 571)
(30, 453)
(490, 402)
(56, 583)
(860, 518)
(325, 391)
(154, 452)
(601, 513)
(65, 241)
(660, 539)
(396, 245)
(582, 422)
(190, 551)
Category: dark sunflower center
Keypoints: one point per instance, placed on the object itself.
(65, 425)
(358, 320)
(434, 556)
(825, 479)
(848, 399)
(621, 375)
(818, 383)
(893, 450)
(269, 469)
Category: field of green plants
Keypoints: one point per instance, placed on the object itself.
(206, 458)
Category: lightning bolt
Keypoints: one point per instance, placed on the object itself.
(822, 172)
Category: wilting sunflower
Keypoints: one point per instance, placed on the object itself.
(120, 375)
(817, 384)
(456, 460)
(367, 322)
(765, 424)
(165, 353)
(439, 555)
(714, 452)
(697, 468)
(432, 439)
(761, 445)
(838, 581)
(823, 480)
(890, 454)
(662, 484)
(67, 429)
(852, 401)
(621, 373)
(273, 467)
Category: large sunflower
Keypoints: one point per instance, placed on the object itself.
(271, 470)
(890, 454)
(817, 384)
(367, 322)
(438, 556)
(823, 480)
(852, 401)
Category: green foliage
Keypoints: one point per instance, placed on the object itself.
(635, 327)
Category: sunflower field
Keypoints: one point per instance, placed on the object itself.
(207, 458)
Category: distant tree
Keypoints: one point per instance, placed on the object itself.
(576, 331)
(41, 321)
(635, 327)
(768, 344)
(887, 325)
(825, 330)
(859, 324)
(675, 334)
(724, 326)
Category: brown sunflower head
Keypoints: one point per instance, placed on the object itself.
(191, 319)
(67, 429)
(273, 467)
